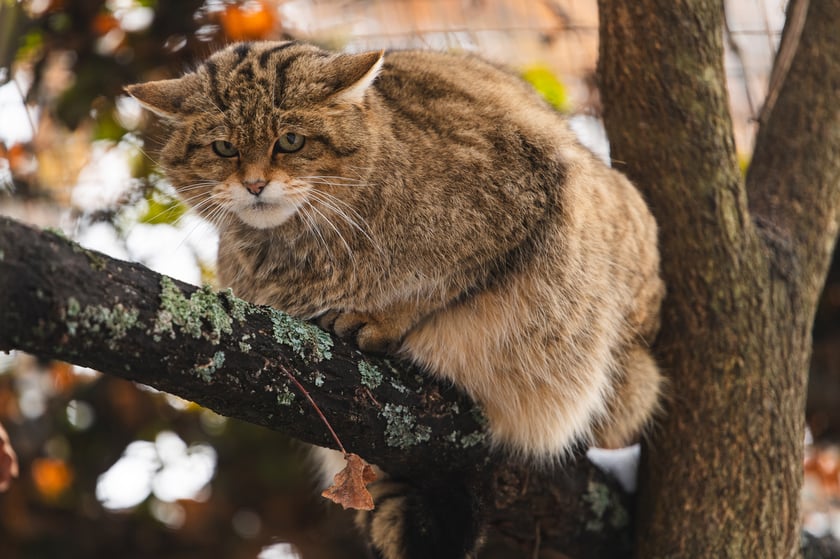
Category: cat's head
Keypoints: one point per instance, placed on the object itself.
(262, 130)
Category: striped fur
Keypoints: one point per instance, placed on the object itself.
(440, 210)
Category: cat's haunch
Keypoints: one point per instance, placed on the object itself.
(434, 206)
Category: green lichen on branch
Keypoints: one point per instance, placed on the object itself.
(58, 232)
(114, 321)
(239, 308)
(207, 369)
(478, 415)
(398, 386)
(401, 429)
(307, 340)
(469, 440)
(371, 375)
(473, 439)
(286, 397)
(202, 315)
(71, 313)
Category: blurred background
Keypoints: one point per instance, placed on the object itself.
(112, 469)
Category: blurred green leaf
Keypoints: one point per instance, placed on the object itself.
(547, 84)
(743, 163)
(60, 22)
(30, 43)
(162, 208)
(107, 128)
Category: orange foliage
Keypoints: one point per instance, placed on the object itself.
(19, 157)
(51, 476)
(63, 376)
(824, 465)
(253, 20)
(104, 22)
(349, 488)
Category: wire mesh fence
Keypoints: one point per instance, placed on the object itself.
(561, 34)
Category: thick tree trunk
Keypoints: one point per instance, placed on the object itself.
(723, 469)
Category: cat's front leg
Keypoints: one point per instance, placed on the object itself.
(375, 332)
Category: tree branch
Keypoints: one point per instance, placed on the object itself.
(65, 302)
(794, 177)
(794, 22)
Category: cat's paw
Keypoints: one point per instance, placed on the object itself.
(371, 334)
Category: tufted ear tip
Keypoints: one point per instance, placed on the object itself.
(359, 72)
(165, 98)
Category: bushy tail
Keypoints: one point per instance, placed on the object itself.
(442, 521)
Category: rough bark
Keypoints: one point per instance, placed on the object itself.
(65, 302)
(723, 469)
(61, 301)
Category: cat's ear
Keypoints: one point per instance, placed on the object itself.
(356, 73)
(165, 98)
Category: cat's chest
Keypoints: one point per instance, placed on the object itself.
(295, 279)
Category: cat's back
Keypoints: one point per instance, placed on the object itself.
(434, 75)
(445, 91)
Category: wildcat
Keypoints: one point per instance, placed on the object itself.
(432, 206)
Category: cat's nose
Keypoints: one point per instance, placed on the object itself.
(255, 186)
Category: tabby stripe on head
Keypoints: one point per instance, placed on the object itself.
(192, 146)
(246, 72)
(280, 84)
(189, 148)
(243, 66)
(213, 72)
(241, 50)
(266, 54)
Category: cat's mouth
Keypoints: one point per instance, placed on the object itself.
(263, 214)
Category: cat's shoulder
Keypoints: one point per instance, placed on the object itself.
(445, 63)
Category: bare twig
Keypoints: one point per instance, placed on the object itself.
(306, 395)
(787, 48)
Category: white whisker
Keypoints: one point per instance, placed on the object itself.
(337, 232)
(313, 226)
(196, 185)
(356, 221)
(330, 179)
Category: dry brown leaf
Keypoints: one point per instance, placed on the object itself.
(349, 488)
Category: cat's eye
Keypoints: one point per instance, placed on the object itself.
(223, 148)
(289, 143)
